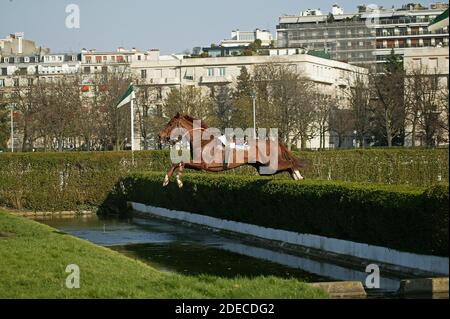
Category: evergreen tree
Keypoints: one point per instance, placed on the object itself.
(4, 127)
(222, 108)
(242, 110)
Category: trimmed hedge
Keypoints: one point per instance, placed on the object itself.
(417, 167)
(69, 181)
(405, 218)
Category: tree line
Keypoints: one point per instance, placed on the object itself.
(374, 108)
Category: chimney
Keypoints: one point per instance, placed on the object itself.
(19, 37)
(153, 55)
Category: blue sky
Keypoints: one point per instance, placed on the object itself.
(170, 25)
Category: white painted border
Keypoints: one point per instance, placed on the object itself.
(438, 265)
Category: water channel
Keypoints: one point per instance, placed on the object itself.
(173, 247)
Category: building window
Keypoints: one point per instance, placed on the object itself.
(30, 82)
(2, 83)
(87, 70)
(16, 82)
(4, 71)
(210, 71)
(159, 93)
(222, 71)
(143, 74)
(139, 58)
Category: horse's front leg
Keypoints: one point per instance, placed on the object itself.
(179, 173)
(169, 174)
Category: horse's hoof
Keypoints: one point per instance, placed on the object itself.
(166, 181)
(180, 184)
(299, 176)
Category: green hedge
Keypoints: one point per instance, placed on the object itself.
(417, 167)
(408, 218)
(57, 181)
(67, 181)
(405, 218)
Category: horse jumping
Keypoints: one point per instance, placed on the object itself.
(286, 161)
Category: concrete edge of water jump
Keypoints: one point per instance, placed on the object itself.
(424, 286)
(334, 249)
(342, 289)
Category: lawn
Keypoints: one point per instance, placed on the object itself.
(33, 259)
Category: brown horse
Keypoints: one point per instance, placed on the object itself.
(286, 161)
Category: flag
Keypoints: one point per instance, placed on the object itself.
(440, 22)
(127, 96)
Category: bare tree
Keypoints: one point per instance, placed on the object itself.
(358, 96)
(113, 129)
(323, 105)
(23, 97)
(389, 108)
(423, 97)
(285, 101)
(188, 100)
(342, 123)
(59, 107)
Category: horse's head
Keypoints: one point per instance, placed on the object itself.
(174, 123)
(178, 122)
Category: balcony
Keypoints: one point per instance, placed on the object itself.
(172, 81)
(159, 81)
(215, 79)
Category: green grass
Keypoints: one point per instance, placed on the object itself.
(33, 258)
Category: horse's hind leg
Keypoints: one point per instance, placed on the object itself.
(295, 174)
(169, 175)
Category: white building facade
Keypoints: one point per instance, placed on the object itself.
(433, 62)
(245, 38)
(167, 72)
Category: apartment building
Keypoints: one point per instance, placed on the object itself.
(433, 62)
(162, 73)
(363, 37)
(245, 38)
(16, 44)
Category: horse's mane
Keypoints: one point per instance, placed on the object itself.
(191, 119)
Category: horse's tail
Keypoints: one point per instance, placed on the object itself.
(297, 162)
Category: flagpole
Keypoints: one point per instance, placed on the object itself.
(132, 127)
